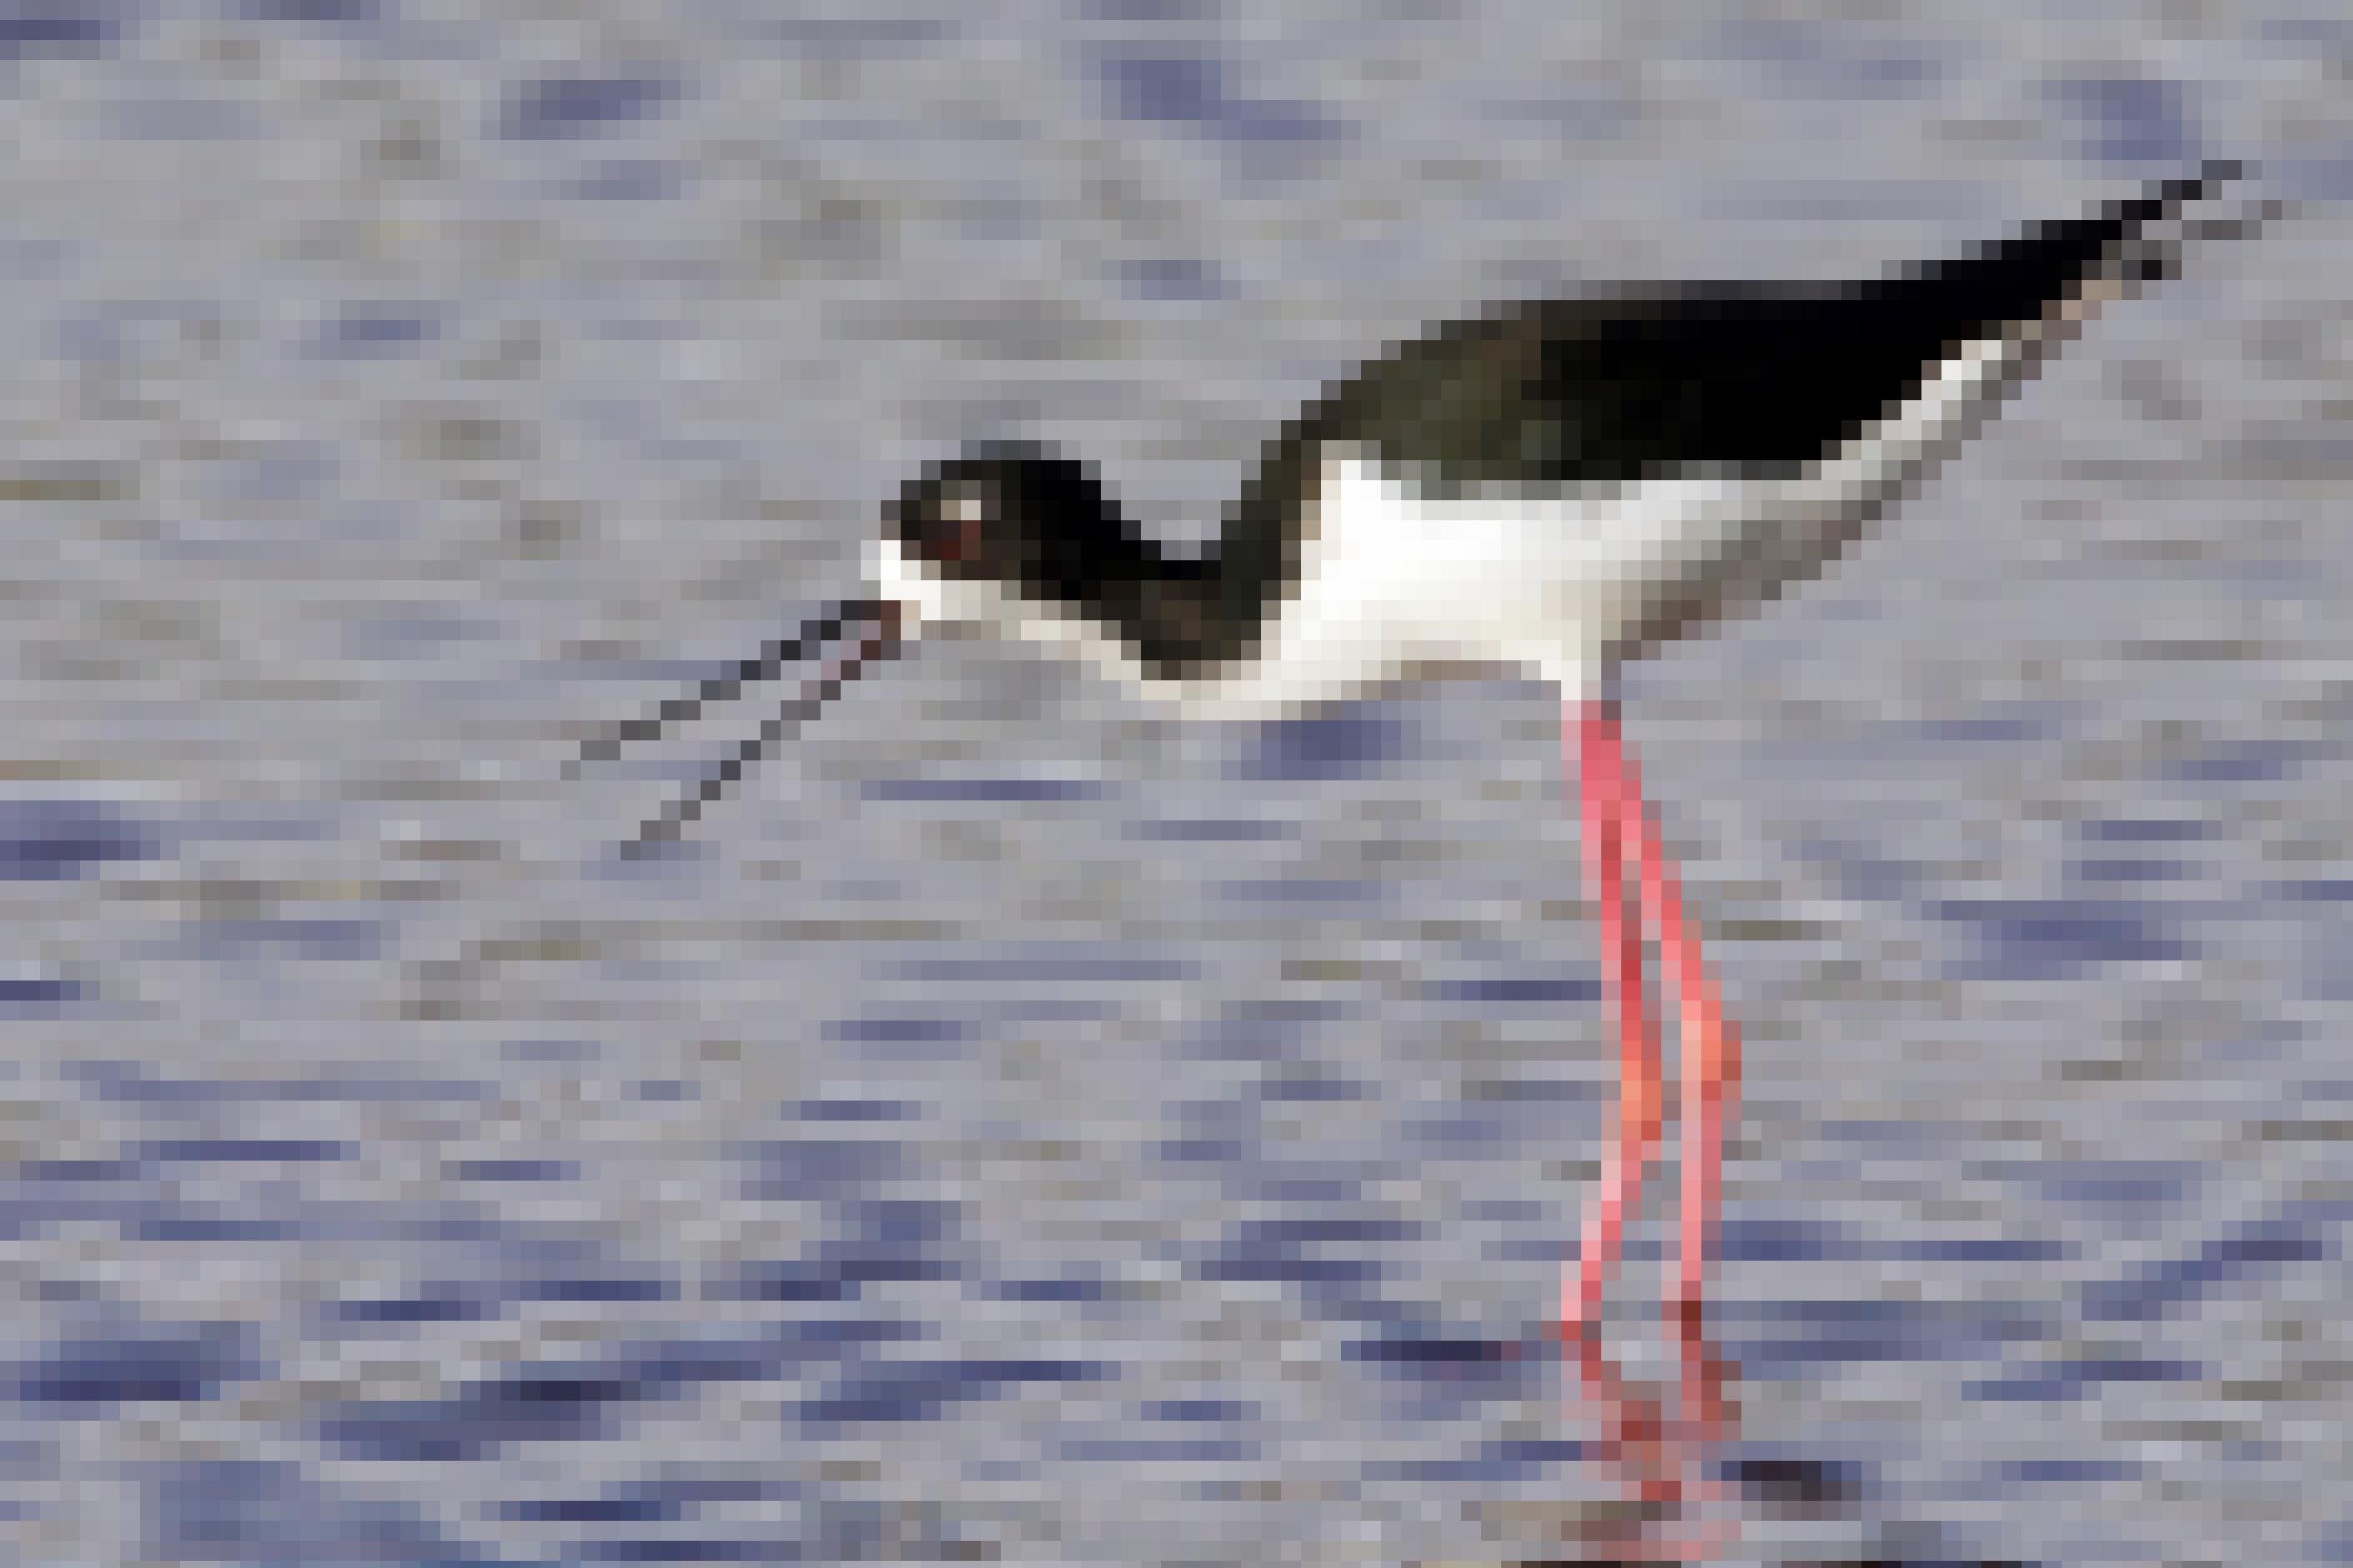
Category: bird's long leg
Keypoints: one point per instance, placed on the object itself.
(1711, 1054)
(1601, 787)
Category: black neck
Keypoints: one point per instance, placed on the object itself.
(1182, 616)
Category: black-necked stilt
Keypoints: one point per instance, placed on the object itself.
(1554, 486)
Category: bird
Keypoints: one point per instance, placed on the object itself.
(1554, 486)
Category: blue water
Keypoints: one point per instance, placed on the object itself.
(1017, 1128)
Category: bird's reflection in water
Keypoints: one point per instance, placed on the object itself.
(1664, 1446)
(1686, 1492)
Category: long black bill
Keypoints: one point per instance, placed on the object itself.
(850, 637)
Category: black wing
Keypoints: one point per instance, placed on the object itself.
(1736, 376)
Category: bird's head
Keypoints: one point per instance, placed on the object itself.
(1000, 534)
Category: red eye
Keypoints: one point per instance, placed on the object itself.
(958, 536)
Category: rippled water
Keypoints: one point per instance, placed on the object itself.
(1019, 1129)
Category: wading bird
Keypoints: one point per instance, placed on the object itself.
(1556, 487)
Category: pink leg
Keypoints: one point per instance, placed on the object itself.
(1601, 782)
(1710, 1060)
